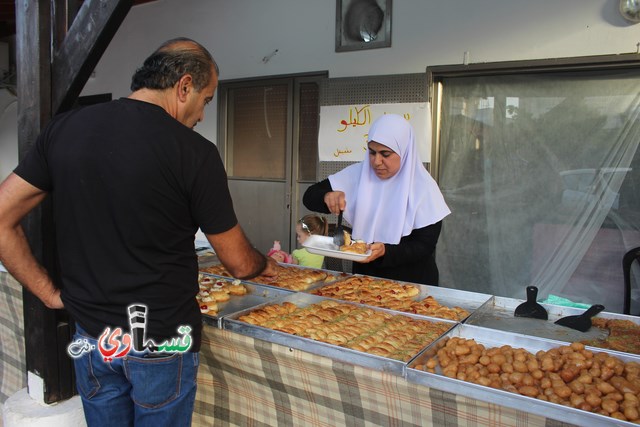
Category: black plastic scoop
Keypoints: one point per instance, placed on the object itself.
(580, 322)
(531, 308)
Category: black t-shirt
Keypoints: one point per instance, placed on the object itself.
(130, 186)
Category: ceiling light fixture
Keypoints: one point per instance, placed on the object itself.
(630, 10)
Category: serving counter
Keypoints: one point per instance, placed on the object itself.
(247, 377)
(258, 374)
(245, 381)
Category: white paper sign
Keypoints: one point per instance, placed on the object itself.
(344, 129)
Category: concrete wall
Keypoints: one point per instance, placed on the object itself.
(240, 33)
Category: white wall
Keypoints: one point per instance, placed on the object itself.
(240, 33)
(424, 32)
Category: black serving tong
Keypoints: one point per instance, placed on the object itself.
(580, 322)
(531, 308)
(338, 236)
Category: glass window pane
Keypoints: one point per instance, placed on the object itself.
(542, 174)
(308, 138)
(258, 131)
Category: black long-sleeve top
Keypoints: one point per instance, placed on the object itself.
(411, 260)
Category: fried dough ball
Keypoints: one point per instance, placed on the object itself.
(568, 375)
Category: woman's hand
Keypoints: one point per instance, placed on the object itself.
(377, 250)
(335, 201)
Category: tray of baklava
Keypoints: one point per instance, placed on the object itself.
(219, 296)
(611, 331)
(289, 276)
(432, 301)
(569, 382)
(354, 333)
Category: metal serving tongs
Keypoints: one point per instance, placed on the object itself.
(338, 235)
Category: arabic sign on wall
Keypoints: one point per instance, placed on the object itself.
(344, 129)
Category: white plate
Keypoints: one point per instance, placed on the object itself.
(323, 245)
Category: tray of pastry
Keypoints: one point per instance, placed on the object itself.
(290, 276)
(352, 333)
(219, 296)
(610, 331)
(572, 383)
(432, 301)
(206, 255)
(207, 259)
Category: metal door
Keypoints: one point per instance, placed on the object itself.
(269, 129)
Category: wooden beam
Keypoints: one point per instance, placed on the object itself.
(33, 53)
(90, 34)
(63, 13)
(34, 70)
(46, 87)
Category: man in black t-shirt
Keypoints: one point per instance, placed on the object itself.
(130, 184)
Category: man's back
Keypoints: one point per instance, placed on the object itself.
(122, 176)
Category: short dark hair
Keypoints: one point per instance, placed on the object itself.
(172, 60)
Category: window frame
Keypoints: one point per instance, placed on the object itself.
(437, 74)
(293, 128)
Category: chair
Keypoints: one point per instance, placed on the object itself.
(627, 260)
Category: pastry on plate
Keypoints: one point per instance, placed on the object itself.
(353, 246)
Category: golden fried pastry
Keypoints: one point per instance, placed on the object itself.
(389, 294)
(570, 375)
(237, 288)
(214, 290)
(356, 248)
(353, 246)
(219, 295)
(351, 326)
(218, 269)
(624, 335)
(288, 277)
(208, 307)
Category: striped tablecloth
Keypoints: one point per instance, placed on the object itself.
(249, 382)
(13, 371)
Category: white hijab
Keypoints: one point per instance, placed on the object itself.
(385, 210)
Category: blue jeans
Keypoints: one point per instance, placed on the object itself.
(136, 390)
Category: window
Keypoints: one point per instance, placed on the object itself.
(258, 130)
(541, 169)
(270, 133)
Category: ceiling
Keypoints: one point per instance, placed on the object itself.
(8, 16)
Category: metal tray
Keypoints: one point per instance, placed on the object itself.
(332, 276)
(494, 338)
(470, 301)
(497, 313)
(332, 351)
(256, 295)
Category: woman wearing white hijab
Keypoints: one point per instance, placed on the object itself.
(392, 203)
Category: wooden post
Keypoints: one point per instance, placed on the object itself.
(45, 87)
